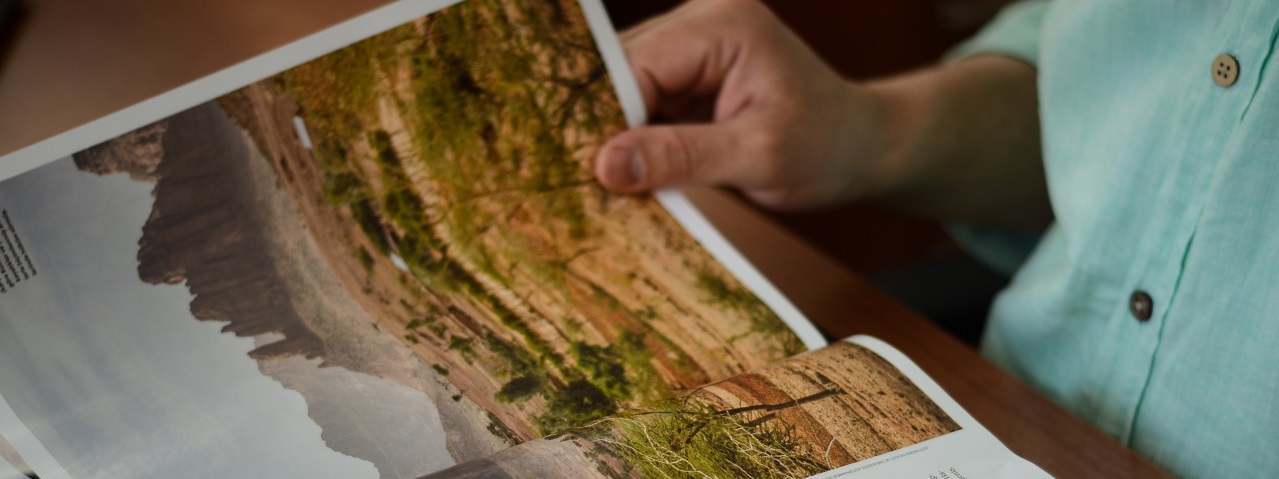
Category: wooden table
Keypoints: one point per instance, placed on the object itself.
(72, 61)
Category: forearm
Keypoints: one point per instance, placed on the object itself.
(963, 143)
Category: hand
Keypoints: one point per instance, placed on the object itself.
(747, 105)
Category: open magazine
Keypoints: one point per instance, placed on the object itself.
(380, 252)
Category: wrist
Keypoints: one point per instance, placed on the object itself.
(892, 138)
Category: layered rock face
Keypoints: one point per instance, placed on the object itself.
(203, 228)
(137, 153)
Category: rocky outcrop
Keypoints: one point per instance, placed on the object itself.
(204, 229)
(137, 153)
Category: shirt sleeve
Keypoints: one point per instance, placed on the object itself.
(1015, 33)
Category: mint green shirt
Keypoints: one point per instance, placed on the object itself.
(1163, 183)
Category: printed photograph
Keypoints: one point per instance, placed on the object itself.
(397, 250)
(809, 414)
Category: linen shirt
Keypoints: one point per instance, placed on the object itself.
(1166, 184)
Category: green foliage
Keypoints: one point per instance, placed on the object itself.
(339, 90)
(737, 298)
(580, 402)
(401, 203)
(616, 374)
(637, 357)
(513, 322)
(464, 345)
(380, 142)
(343, 187)
(520, 389)
(720, 293)
(439, 330)
(441, 370)
(406, 209)
(680, 439)
(519, 362)
(603, 368)
(608, 298)
(370, 222)
(366, 259)
(487, 95)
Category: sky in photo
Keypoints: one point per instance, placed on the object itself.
(114, 376)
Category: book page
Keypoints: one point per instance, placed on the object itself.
(854, 409)
(376, 252)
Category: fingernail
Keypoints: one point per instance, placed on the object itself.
(626, 168)
(636, 168)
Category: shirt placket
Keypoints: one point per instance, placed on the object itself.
(1194, 153)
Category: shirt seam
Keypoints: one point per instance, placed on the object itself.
(1261, 68)
(1163, 324)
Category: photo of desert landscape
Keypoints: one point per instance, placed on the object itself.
(809, 414)
(419, 208)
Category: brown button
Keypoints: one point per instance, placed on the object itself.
(1141, 305)
(1225, 70)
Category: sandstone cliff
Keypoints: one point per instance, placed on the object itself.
(137, 153)
(204, 228)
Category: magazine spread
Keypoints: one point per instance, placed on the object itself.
(380, 252)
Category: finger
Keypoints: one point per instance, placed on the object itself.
(655, 157)
(688, 53)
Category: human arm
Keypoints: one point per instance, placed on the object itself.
(748, 105)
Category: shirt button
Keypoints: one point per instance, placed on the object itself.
(1141, 305)
(1225, 70)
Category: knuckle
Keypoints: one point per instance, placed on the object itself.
(680, 155)
(768, 149)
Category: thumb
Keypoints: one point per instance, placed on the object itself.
(655, 157)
